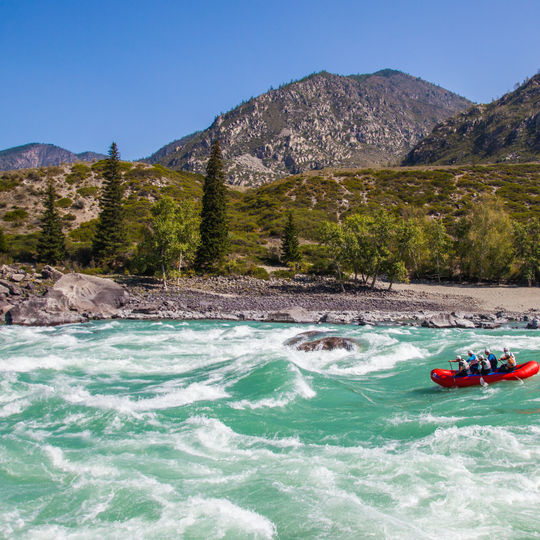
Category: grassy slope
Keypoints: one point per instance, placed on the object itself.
(257, 215)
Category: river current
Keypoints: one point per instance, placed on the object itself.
(205, 429)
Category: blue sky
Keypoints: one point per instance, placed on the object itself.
(82, 73)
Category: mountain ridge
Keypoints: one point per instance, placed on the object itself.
(318, 121)
(505, 130)
(33, 155)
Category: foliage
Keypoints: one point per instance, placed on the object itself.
(439, 244)
(170, 236)
(213, 229)
(64, 202)
(51, 245)
(3, 245)
(16, 215)
(486, 245)
(527, 249)
(109, 241)
(290, 250)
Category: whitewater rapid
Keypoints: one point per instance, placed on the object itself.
(211, 429)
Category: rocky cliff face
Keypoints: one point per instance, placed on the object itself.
(41, 155)
(507, 129)
(322, 120)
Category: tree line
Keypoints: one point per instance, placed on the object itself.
(482, 245)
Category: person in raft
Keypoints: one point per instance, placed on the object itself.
(463, 366)
(485, 365)
(510, 360)
(492, 359)
(473, 362)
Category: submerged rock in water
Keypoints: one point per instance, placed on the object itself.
(73, 298)
(533, 324)
(303, 336)
(327, 344)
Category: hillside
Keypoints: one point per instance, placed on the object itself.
(506, 130)
(257, 215)
(41, 155)
(319, 121)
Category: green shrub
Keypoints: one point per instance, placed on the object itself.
(64, 202)
(88, 191)
(16, 215)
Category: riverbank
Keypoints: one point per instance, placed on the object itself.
(55, 298)
(309, 299)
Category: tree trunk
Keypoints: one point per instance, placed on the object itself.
(340, 277)
(163, 273)
(179, 268)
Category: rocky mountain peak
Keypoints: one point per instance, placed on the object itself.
(318, 121)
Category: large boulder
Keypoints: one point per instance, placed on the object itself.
(73, 298)
(447, 320)
(327, 344)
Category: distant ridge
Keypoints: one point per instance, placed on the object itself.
(506, 130)
(41, 155)
(319, 121)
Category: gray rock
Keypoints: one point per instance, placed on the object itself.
(447, 320)
(303, 336)
(17, 278)
(48, 272)
(292, 315)
(533, 324)
(327, 344)
(4, 291)
(4, 307)
(12, 288)
(73, 298)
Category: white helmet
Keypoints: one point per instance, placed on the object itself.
(487, 351)
(458, 357)
(469, 352)
(505, 349)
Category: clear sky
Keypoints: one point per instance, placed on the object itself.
(81, 73)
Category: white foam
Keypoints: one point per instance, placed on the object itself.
(226, 517)
(178, 398)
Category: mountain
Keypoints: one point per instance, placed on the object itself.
(319, 121)
(507, 129)
(41, 155)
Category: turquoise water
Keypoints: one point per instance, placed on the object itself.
(217, 430)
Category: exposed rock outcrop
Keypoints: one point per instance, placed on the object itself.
(320, 121)
(73, 298)
(506, 130)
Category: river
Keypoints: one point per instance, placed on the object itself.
(211, 429)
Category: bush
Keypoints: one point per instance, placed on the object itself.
(88, 191)
(16, 215)
(64, 202)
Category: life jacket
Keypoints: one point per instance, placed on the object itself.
(463, 365)
(493, 360)
(511, 362)
(485, 363)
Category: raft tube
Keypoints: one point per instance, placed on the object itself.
(448, 379)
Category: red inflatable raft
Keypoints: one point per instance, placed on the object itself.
(447, 378)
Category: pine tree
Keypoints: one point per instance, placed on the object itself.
(3, 247)
(51, 243)
(109, 240)
(290, 252)
(213, 228)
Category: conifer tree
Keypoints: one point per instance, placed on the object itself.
(109, 240)
(213, 227)
(3, 247)
(51, 243)
(290, 251)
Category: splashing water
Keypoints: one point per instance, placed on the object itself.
(217, 430)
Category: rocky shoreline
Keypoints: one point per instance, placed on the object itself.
(51, 297)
